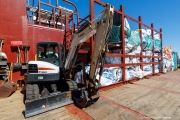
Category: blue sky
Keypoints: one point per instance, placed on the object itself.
(162, 13)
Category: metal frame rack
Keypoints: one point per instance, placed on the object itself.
(123, 55)
(55, 17)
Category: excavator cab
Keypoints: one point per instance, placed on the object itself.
(49, 52)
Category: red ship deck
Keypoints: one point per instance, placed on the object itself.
(154, 98)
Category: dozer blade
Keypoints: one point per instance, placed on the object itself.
(7, 89)
(53, 101)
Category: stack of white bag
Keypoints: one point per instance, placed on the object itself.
(147, 68)
(110, 75)
(113, 60)
(157, 66)
(147, 32)
(147, 51)
(131, 71)
(168, 64)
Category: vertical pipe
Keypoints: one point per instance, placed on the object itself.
(1, 42)
(57, 3)
(61, 20)
(32, 3)
(123, 44)
(28, 3)
(77, 18)
(39, 14)
(161, 51)
(73, 27)
(54, 16)
(91, 18)
(66, 34)
(152, 34)
(76, 12)
(140, 32)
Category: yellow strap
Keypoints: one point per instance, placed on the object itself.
(138, 30)
(35, 57)
(11, 71)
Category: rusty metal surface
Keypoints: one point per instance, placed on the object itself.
(7, 89)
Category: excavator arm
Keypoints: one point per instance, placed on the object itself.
(101, 29)
(76, 43)
(97, 59)
(101, 41)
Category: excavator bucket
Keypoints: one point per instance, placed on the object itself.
(80, 98)
(7, 89)
(8, 86)
(53, 101)
(83, 100)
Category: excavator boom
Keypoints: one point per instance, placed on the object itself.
(101, 40)
(102, 28)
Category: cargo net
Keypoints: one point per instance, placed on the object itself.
(133, 38)
(114, 36)
(157, 45)
(147, 43)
